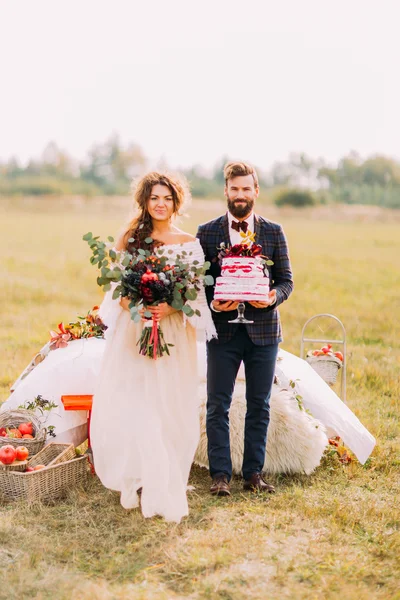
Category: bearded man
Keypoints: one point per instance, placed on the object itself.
(255, 344)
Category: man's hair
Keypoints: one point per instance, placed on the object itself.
(237, 169)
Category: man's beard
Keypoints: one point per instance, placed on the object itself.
(238, 210)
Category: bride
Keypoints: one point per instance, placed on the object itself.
(145, 417)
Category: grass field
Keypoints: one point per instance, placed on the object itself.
(334, 534)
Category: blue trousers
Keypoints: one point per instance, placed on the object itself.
(223, 362)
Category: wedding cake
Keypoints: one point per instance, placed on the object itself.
(242, 278)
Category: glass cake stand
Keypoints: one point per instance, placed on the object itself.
(240, 318)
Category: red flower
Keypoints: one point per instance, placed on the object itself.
(256, 249)
(236, 250)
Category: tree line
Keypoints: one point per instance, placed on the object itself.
(109, 168)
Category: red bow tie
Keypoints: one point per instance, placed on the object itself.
(240, 225)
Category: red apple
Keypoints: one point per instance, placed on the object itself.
(29, 469)
(7, 454)
(38, 467)
(22, 453)
(25, 428)
(3, 432)
(339, 355)
(28, 436)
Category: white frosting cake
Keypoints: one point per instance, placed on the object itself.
(242, 278)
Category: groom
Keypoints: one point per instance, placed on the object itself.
(256, 344)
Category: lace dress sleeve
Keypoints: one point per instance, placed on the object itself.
(203, 323)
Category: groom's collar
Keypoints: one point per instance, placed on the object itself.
(225, 224)
(250, 220)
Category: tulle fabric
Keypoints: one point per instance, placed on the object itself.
(145, 424)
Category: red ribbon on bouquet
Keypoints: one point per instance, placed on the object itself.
(154, 337)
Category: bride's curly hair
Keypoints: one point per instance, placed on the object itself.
(141, 226)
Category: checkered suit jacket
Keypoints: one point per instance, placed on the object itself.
(266, 328)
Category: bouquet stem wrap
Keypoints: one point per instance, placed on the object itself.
(151, 342)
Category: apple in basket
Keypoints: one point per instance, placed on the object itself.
(28, 436)
(38, 467)
(26, 428)
(3, 432)
(29, 469)
(339, 355)
(22, 453)
(7, 454)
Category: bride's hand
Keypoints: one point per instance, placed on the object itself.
(161, 311)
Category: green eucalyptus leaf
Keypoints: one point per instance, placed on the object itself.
(197, 312)
(206, 265)
(188, 310)
(148, 240)
(110, 238)
(88, 236)
(107, 287)
(178, 304)
(208, 280)
(191, 294)
(147, 314)
(141, 251)
(116, 293)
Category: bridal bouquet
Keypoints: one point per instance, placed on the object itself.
(147, 278)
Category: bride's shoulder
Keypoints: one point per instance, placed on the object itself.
(183, 238)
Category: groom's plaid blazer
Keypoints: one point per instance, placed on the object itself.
(266, 328)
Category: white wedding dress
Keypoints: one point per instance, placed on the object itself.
(145, 417)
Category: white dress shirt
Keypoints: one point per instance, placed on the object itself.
(234, 235)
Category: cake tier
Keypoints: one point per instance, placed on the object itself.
(242, 266)
(241, 289)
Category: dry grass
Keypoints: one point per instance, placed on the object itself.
(332, 535)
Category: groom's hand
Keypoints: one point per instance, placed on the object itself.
(225, 306)
(271, 300)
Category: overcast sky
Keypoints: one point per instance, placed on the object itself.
(192, 81)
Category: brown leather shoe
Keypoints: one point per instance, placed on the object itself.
(220, 486)
(257, 484)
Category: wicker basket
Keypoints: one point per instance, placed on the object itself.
(46, 484)
(53, 454)
(18, 465)
(327, 367)
(13, 418)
